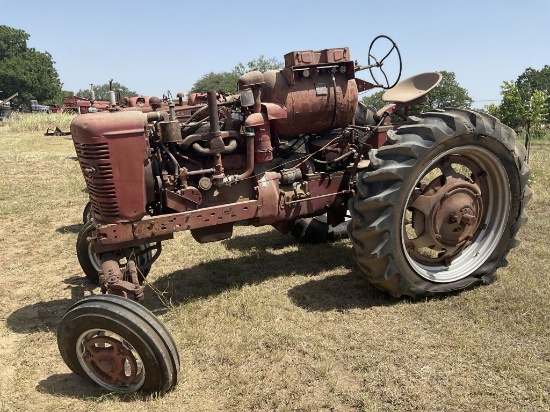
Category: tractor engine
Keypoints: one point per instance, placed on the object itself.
(282, 142)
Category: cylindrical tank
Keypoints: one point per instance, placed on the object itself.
(314, 104)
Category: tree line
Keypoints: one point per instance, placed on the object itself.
(525, 102)
(25, 70)
(31, 73)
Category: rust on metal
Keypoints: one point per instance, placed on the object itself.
(314, 104)
(110, 360)
(280, 150)
(447, 215)
(112, 150)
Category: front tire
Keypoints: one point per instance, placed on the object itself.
(90, 261)
(118, 344)
(440, 205)
(87, 213)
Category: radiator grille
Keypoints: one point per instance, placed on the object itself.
(95, 162)
(92, 151)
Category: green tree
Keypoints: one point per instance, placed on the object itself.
(447, 94)
(538, 112)
(513, 109)
(26, 70)
(525, 102)
(532, 80)
(226, 82)
(260, 64)
(102, 91)
(519, 112)
(375, 100)
(12, 42)
(492, 109)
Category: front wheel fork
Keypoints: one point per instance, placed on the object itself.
(112, 277)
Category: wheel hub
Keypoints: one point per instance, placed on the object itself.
(446, 216)
(111, 361)
(455, 216)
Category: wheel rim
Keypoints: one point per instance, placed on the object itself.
(141, 260)
(455, 214)
(110, 360)
(94, 257)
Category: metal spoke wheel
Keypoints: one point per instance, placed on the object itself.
(440, 205)
(118, 344)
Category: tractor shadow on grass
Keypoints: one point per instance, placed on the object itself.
(70, 385)
(268, 256)
(340, 293)
(46, 315)
(73, 386)
(70, 229)
(265, 259)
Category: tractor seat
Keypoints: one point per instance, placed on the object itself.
(412, 88)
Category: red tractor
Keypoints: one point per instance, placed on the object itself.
(434, 200)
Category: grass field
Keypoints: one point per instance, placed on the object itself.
(263, 323)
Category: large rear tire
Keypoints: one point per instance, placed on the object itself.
(118, 344)
(440, 205)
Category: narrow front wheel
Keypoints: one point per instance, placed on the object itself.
(118, 344)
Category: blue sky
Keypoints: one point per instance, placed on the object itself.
(152, 47)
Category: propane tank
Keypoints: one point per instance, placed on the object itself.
(319, 94)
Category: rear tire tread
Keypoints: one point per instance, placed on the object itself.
(379, 187)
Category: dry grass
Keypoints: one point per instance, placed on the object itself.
(36, 122)
(263, 323)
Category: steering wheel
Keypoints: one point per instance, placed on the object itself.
(374, 63)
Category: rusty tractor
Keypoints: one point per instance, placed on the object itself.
(435, 200)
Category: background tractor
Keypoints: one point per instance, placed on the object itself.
(5, 106)
(433, 201)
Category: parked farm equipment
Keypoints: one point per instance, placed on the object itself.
(435, 200)
(35, 107)
(82, 105)
(5, 106)
(56, 131)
